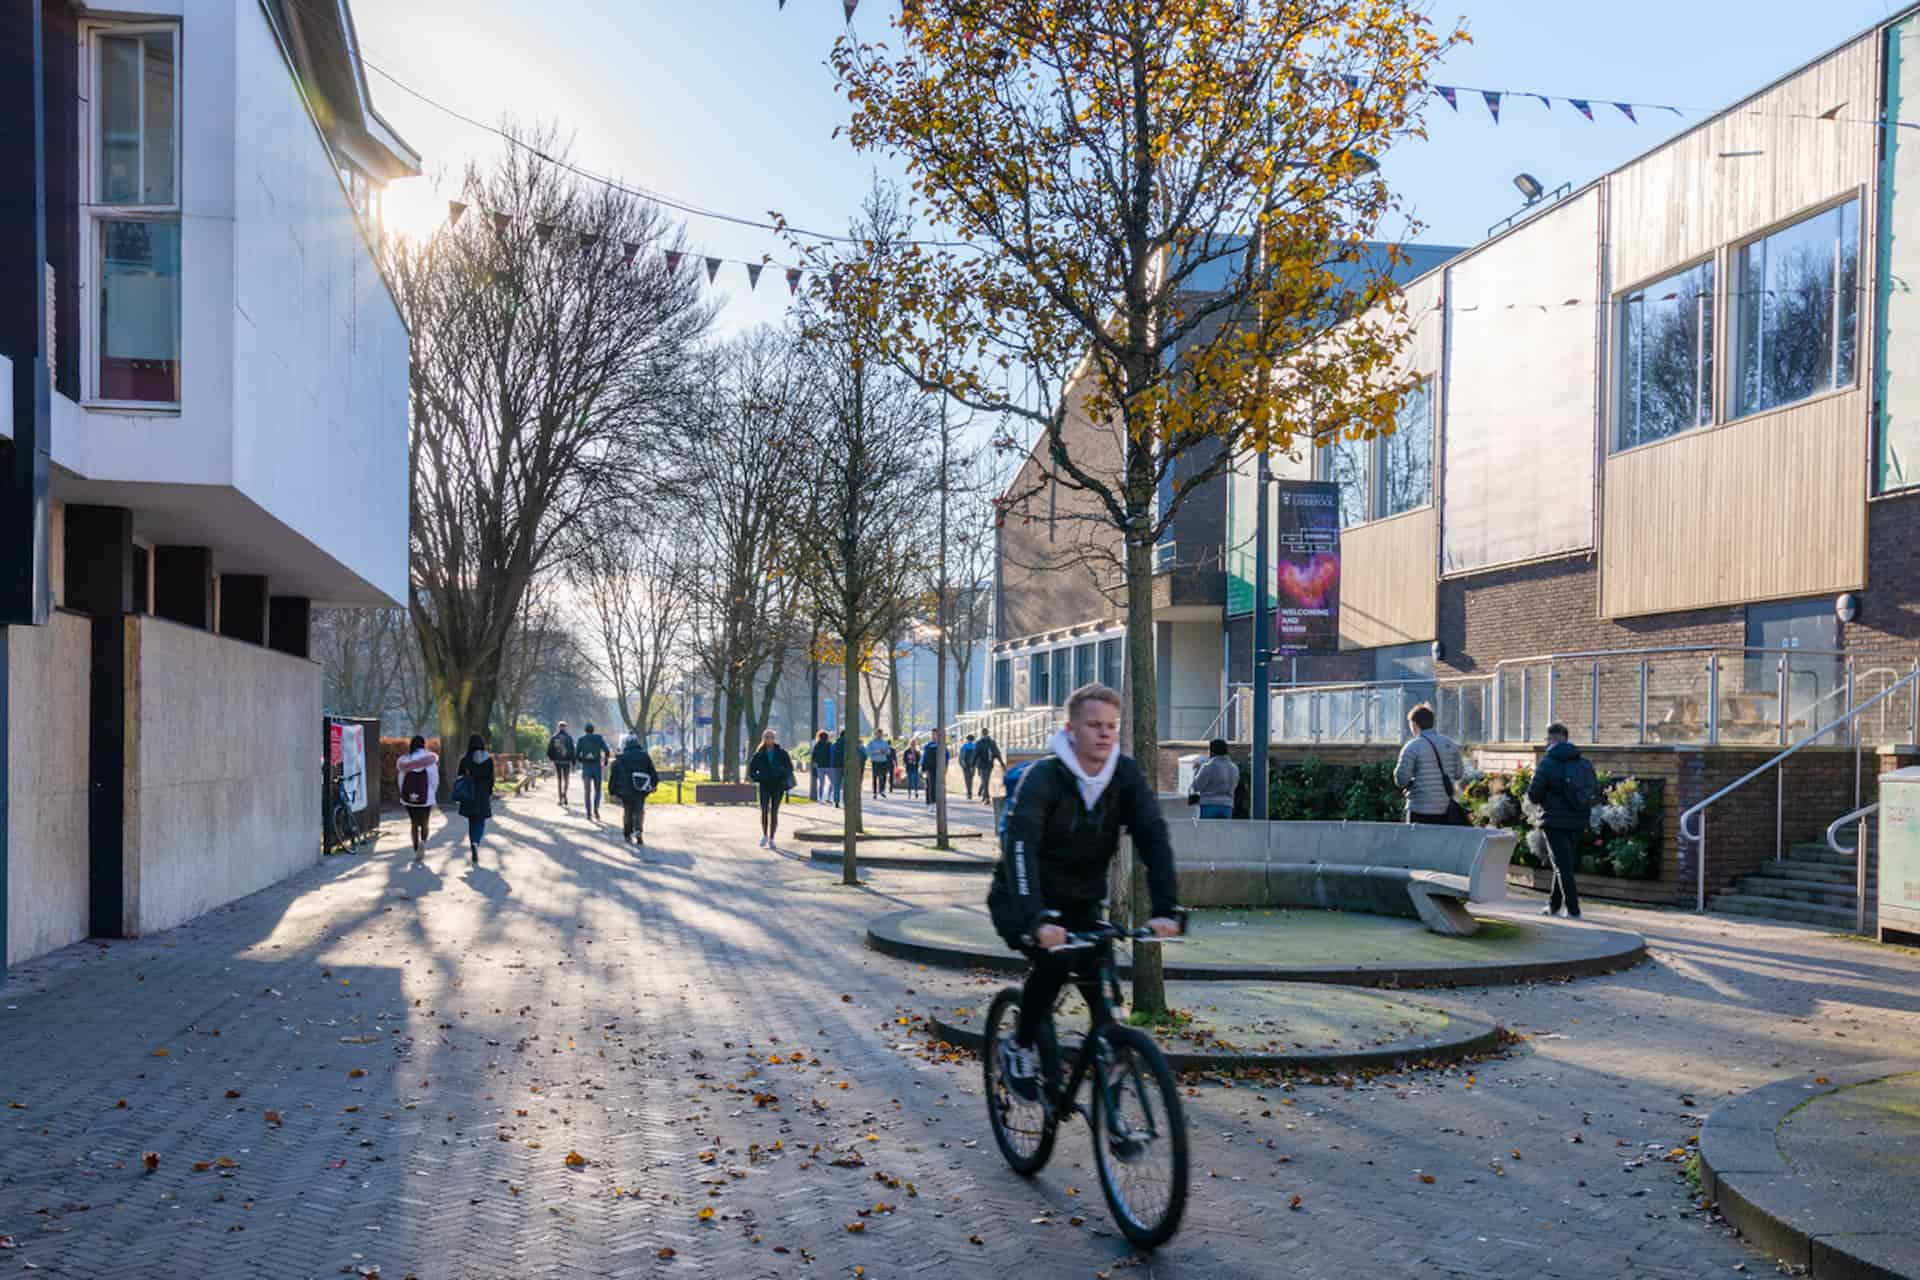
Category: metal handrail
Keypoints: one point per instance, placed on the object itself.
(1699, 836)
(1859, 852)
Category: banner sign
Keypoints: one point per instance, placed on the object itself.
(353, 763)
(1307, 567)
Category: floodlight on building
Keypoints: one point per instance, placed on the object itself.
(1529, 186)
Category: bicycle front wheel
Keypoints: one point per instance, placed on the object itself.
(1023, 1130)
(1139, 1136)
(344, 829)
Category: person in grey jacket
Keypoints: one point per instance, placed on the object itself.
(1215, 782)
(1429, 771)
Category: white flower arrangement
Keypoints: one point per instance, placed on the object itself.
(1622, 809)
(1533, 813)
(1499, 810)
(1537, 846)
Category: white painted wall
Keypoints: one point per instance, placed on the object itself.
(294, 358)
(48, 670)
(223, 778)
(1520, 428)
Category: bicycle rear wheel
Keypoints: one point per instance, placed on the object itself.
(1139, 1136)
(1023, 1130)
(345, 831)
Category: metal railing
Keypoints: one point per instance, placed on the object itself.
(1696, 831)
(1014, 730)
(1859, 852)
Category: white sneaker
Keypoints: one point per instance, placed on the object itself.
(1020, 1068)
(763, 842)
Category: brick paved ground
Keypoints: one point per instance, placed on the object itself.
(701, 1024)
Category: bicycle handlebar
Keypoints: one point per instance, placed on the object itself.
(1081, 941)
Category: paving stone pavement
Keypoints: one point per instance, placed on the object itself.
(381, 1066)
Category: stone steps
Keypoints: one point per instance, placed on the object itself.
(1826, 893)
(1741, 904)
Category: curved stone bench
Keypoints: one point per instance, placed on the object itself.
(1426, 873)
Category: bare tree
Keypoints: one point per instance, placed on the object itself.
(634, 587)
(531, 645)
(364, 656)
(549, 337)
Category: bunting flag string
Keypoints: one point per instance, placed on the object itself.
(753, 276)
(713, 269)
(1492, 97)
(793, 278)
(673, 261)
(1450, 94)
(1446, 91)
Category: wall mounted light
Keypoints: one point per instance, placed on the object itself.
(1529, 186)
(1847, 607)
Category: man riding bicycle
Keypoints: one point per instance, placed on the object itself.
(1064, 814)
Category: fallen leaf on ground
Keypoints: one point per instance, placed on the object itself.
(151, 1161)
(575, 1159)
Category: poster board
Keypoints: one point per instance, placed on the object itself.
(347, 748)
(1306, 567)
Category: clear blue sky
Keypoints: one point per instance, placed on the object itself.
(728, 104)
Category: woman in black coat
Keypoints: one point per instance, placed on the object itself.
(633, 779)
(476, 805)
(772, 768)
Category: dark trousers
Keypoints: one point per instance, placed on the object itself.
(417, 814)
(1565, 848)
(1429, 819)
(879, 768)
(966, 776)
(562, 770)
(1050, 972)
(770, 798)
(590, 788)
(932, 779)
(633, 816)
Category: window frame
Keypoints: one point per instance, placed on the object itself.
(1003, 682)
(1062, 662)
(1376, 459)
(1712, 384)
(1039, 683)
(1119, 650)
(95, 214)
(1730, 374)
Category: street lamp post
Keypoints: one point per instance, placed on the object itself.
(1262, 648)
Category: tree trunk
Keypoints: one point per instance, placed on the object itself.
(850, 785)
(893, 688)
(940, 653)
(1149, 976)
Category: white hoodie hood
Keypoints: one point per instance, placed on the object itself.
(1091, 785)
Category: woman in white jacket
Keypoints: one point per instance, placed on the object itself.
(419, 779)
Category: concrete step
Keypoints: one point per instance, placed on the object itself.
(1819, 853)
(1794, 869)
(1740, 904)
(1820, 892)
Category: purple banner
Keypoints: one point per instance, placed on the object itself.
(1307, 567)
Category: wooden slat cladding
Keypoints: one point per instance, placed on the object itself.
(1388, 594)
(1761, 163)
(1767, 508)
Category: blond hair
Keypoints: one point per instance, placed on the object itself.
(1090, 693)
(769, 736)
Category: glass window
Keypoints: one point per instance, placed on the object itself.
(1003, 682)
(1798, 310)
(1406, 455)
(1062, 682)
(1110, 651)
(1083, 665)
(139, 339)
(1037, 681)
(1665, 340)
(135, 117)
(1347, 464)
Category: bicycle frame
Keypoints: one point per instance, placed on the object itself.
(1102, 993)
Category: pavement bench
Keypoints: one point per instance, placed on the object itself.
(725, 792)
(676, 776)
(1428, 873)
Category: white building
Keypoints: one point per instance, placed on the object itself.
(222, 447)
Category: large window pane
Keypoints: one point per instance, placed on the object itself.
(1062, 679)
(1406, 456)
(158, 178)
(1797, 311)
(1002, 682)
(1110, 651)
(1347, 467)
(140, 311)
(1083, 665)
(1037, 681)
(119, 114)
(1665, 340)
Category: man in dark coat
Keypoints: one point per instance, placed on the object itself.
(1566, 787)
(634, 778)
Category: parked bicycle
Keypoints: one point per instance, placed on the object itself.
(1133, 1108)
(343, 824)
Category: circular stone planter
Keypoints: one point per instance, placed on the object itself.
(1303, 945)
(918, 860)
(1280, 1027)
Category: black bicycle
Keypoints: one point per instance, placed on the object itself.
(342, 823)
(1139, 1129)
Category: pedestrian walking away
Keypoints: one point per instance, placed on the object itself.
(418, 774)
(1566, 787)
(473, 792)
(910, 759)
(986, 754)
(591, 753)
(966, 764)
(1429, 771)
(880, 762)
(838, 767)
(1063, 826)
(933, 763)
(634, 779)
(821, 761)
(1216, 783)
(560, 750)
(772, 768)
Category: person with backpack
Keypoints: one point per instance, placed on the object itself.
(473, 792)
(1215, 783)
(880, 762)
(560, 750)
(772, 768)
(966, 764)
(933, 763)
(634, 779)
(838, 765)
(591, 753)
(986, 754)
(1429, 770)
(910, 760)
(1061, 830)
(820, 760)
(1566, 787)
(419, 777)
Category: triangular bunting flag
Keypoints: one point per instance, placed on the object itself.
(753, 276)
(454, 210)
(500, 221)
(851, 5)
(1675, 111)
(793, 280)
(1545, 101)
(1493, 103)
(713, 269)
(1447, 91)
(1584, 107)
(1353, 82)
(673, 261)
(1626, 109)
(631, 249)
(587, 241)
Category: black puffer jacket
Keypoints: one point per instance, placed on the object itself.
(1055, 853)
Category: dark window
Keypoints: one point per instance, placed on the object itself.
(1062, 676)
(1083, 665)
(1003, 682)
(1110, 674)
(1037, 681)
